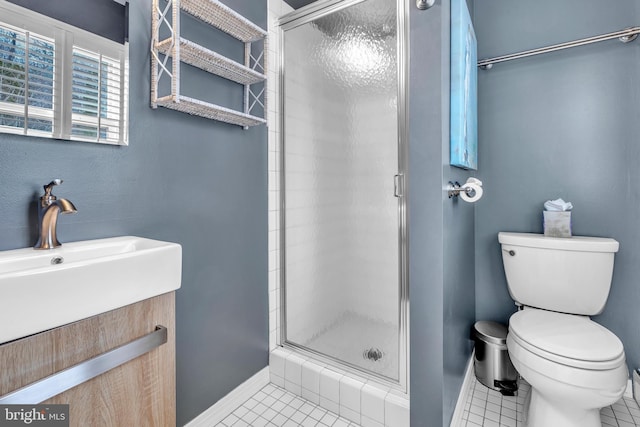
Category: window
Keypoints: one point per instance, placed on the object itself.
(59, 81)
(26, 82)
(96, 96)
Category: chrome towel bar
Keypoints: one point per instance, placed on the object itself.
(66, 379)
(625, 36)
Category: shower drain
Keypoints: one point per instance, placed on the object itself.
(372, 354)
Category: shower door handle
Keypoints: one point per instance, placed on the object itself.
(398, 185)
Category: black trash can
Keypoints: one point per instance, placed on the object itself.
(491, 361)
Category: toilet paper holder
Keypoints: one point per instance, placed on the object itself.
(454, 188)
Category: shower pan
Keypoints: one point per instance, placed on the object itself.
(343, 244)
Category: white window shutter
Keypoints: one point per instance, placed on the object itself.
(27, 80)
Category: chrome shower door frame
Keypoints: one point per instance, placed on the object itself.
(292, 20)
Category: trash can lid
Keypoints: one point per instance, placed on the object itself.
(492, 332)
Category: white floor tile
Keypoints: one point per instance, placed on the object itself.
(306, 408)
(488, 408)
(624, 417)
(493, 407)
(309, 422)
(491, 416)
(476, 419)
(273, 406)
(608, 421)
(230, 420)
(477, 410)
(259, 422)
(279, 420)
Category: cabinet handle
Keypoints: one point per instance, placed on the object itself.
(66, 379)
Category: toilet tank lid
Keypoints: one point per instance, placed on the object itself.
(575, 243)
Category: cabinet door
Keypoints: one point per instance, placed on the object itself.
(138, 393)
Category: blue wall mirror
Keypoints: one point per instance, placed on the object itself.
(64, 71)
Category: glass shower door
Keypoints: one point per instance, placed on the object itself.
(341, 216)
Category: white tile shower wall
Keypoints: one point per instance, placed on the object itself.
(356, 399)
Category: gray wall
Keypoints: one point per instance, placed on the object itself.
(564, 125)
(441, 239)
(189, 180)
(459, 290)
(107, 18)
(459, 269)
(296, 4)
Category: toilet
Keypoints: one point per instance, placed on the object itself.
(574, 365)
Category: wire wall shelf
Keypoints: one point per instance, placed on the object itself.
(222, 17)
(181, 50)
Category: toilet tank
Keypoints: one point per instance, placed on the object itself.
(569, 275)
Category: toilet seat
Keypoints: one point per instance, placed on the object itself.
(568, 339)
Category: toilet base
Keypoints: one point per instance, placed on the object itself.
(566, 396)
(543, 413)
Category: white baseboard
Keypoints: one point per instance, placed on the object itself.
(636, 386)
(231, 401)
(629, 390)
(456, 419)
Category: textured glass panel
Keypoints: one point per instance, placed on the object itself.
(341, 215)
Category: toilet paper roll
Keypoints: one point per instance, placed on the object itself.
(477, 192)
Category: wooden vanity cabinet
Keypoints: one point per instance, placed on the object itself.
(138, 393)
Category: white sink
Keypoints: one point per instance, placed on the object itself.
(90, 277)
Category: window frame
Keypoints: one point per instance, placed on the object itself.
(66, 37)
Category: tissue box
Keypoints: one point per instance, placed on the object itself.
(557, 224)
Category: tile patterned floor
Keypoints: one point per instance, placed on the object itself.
(488, 408)
(274, 406)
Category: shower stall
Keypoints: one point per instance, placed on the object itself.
(344, 298)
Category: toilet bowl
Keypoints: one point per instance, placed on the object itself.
(574, 369)
(574, 365)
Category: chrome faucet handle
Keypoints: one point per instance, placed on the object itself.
(48, 210)
(49, 187)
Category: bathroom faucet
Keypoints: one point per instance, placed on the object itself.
(48, 209)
